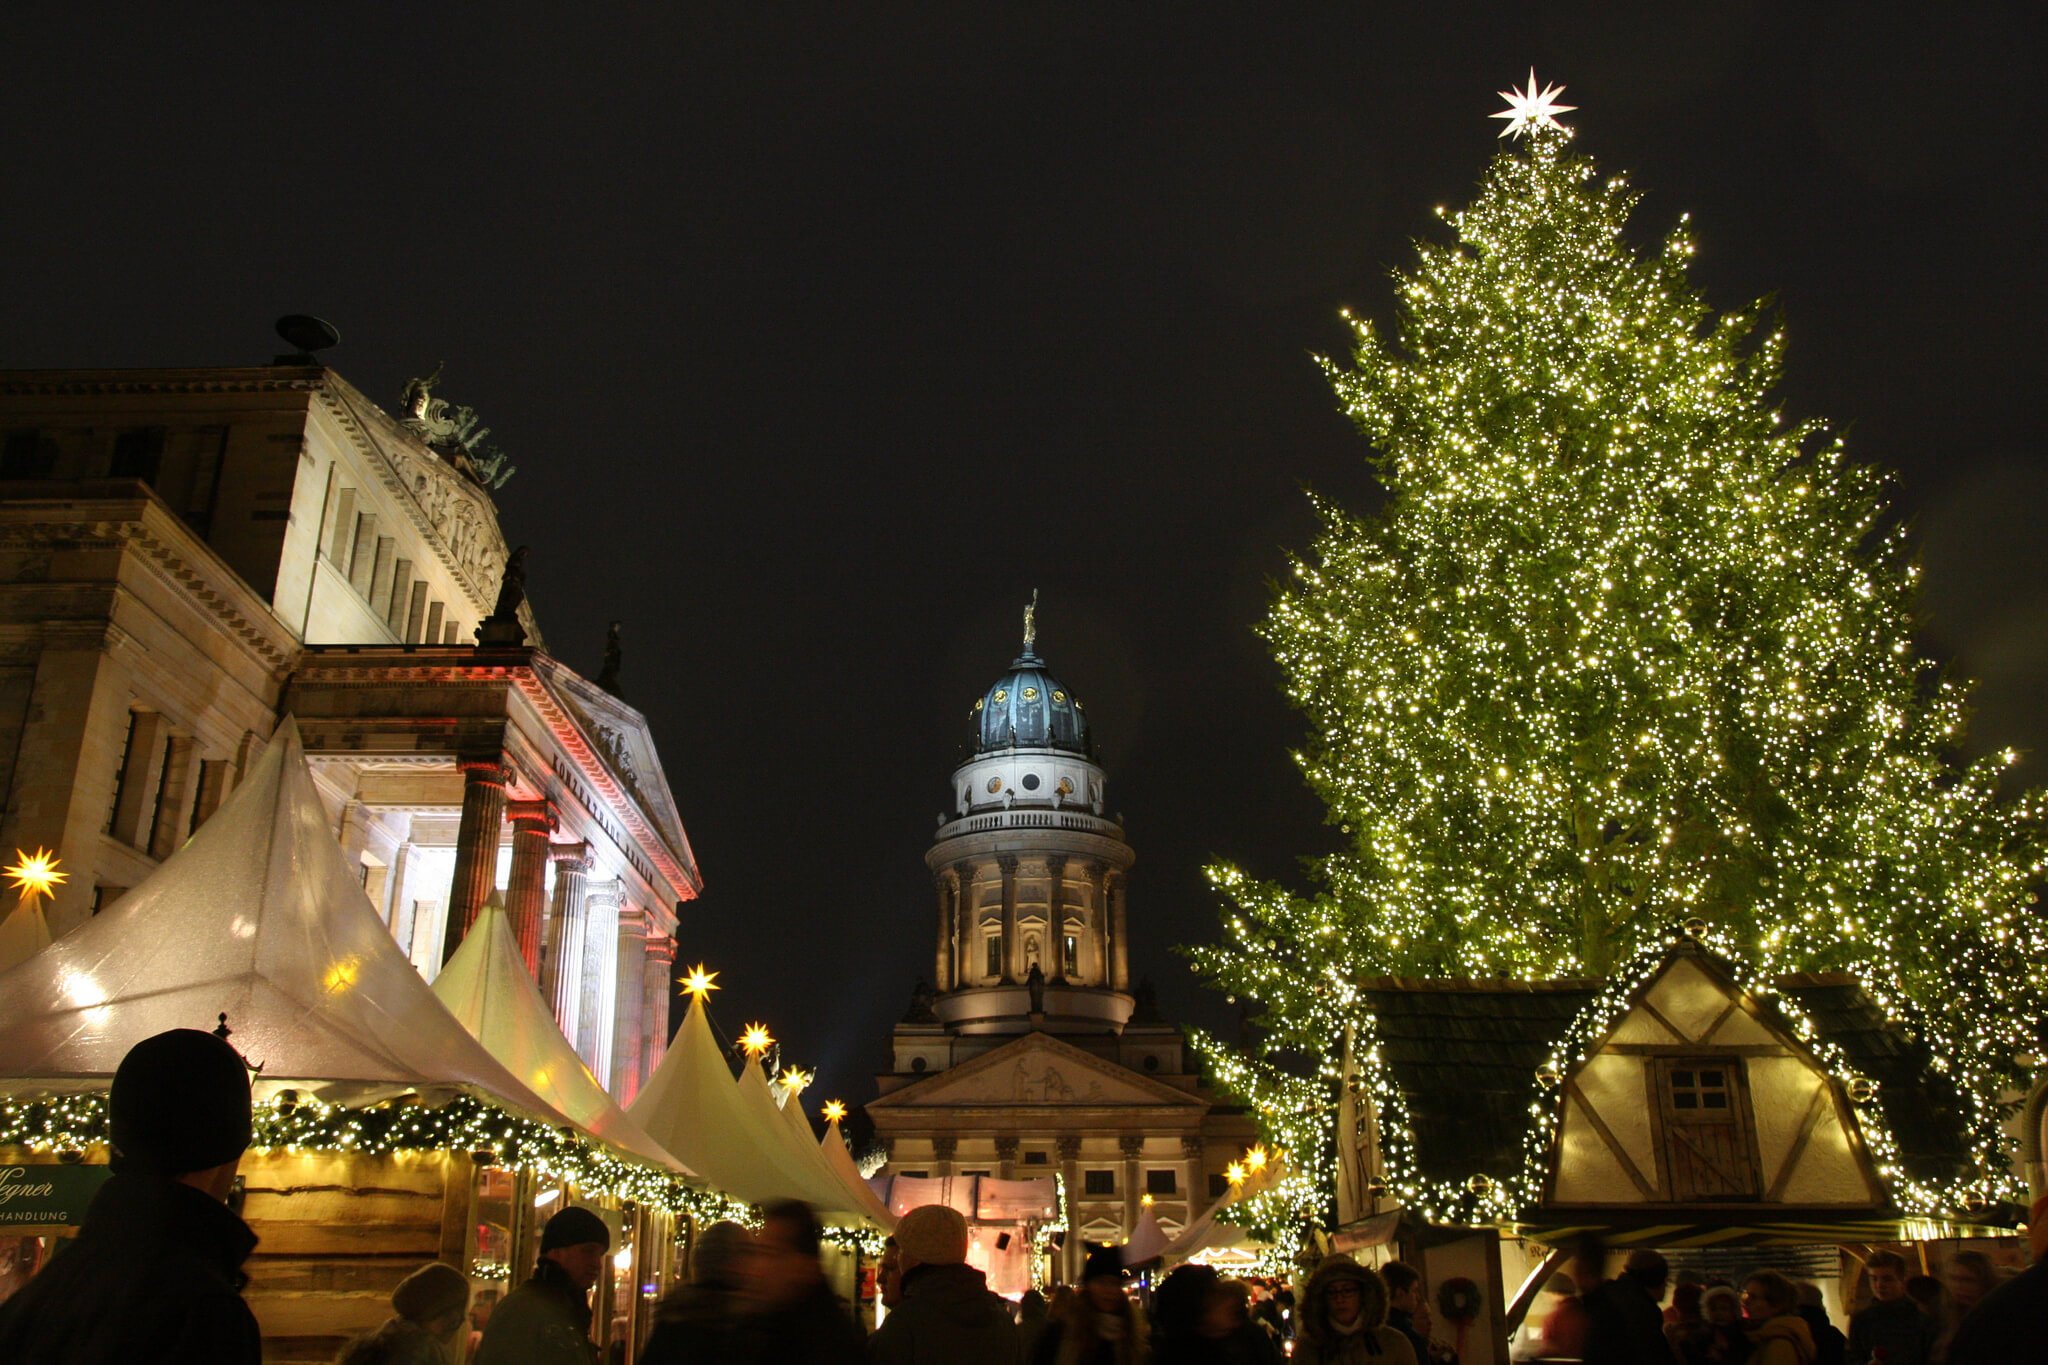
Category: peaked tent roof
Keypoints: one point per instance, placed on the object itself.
(692, 1106)
(259, 918)
(486, 986)
(801, 1161)
(840, 1162)
(23, 933)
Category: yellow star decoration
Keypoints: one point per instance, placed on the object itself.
(1531, 109)
(35, 874)
(699, 983)
(794, 1079)
(835, 1110)
(757, 1039)
(1255, 1160)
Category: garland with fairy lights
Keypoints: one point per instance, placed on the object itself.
(67, 1124)
(1621, 644)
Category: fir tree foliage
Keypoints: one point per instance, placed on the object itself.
(1621, 648)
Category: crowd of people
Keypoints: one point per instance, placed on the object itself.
(155, 1274)
(1770, 1319)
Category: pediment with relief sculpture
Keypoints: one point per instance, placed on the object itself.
(1038, 1070)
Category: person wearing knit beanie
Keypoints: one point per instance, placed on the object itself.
(427, 1307)
(155, 1272)
(947, 1311)
(546, 1321)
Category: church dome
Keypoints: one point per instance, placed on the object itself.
(1028, 708)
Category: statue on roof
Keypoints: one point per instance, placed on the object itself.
(453, 431)
(922, 998)
(1031, 622)
(502, 626)
(608, 676)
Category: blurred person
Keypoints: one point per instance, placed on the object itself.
(1408, 1306)
(1564, 1328)
(699, 1321)
(1830, 1347)
(1926, 1292)
(796, 1316)
(480, 1316)
(1967, 1277)
(1032, 1312)
(889, 1274)
(155, 1273)
(1343, 1319)
(1099, 1325)
(546, 1321)
(1181, 1332)
(1227, 1319)
(1777, 1332)
(948, 1312)
(426, 1309)
(1624, 1325)
(1683, 1318)
(1720, 1338)
(1892, 1322)
(2011, 1322)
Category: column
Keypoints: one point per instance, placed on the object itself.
(1012, 949)
(966, 926)
(629, 980)
(561, 963)
(655, 975)
(1131, 1145)
(942, 961)
(1197, 1176)
(1070, 1181)
(476, 846)
(526, 890)
(173, 801)
(600, 959)
(943, 1150)
(394, 891)
(1006, 1156)
(1120, 959)
(1056, 936)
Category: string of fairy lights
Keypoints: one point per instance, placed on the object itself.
(1622, 646)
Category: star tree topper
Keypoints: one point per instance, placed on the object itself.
(1534, 108)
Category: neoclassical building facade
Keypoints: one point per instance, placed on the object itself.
(1032, 1053)
(188, 555)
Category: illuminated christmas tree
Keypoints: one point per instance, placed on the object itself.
(1622, 648)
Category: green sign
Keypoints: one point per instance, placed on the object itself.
(48, 1196)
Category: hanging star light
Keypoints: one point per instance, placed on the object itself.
(756, 1039)
(1531, 109)
(35, 874)
(835, 1110)
(699, 983)
(794, 1079)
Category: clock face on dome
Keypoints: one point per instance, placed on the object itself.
(1031, 694)
(1058, 696)
(1002, 695)
(995, 784)
(1066, 787)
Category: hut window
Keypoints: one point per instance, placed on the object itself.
(1709, 1133)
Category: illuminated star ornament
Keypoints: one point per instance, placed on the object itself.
(1532, 109)
(794, 1079)
(756, 1039)
(699, 982)
(35, 874)
(835, 1110)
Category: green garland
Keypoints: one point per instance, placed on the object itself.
(293, 1123)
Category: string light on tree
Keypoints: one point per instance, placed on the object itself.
(1622, 646)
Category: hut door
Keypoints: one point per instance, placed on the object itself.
(1707, 1129)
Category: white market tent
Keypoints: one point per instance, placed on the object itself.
(259, 918)
(23, 933)
(840, 1162)
(728, 1130)
(487, 987)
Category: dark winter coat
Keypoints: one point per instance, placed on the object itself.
(1904, 1333)
(816, 1330)
(154, 1275)
(400, 1341)
(1830, 1347)
(697, 1324)
(2010, 1324)
(1624, 1326)
(947, 1315)
(545, 1321)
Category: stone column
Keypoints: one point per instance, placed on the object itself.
(1056, 897)
(1070, 1181)
(942, 962)
(1006, 1156)
(1132, 1146)
(630, 980)
(1012, 947)
(394, 894)
(600, 960)
(1120, 959)
(476, 846)
(655, 974)
(526, 891)
(561, 966)
(1197, 1177)
(966, 926)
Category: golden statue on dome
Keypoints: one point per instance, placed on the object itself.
(1031, 621)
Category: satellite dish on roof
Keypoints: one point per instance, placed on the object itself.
(305, 334)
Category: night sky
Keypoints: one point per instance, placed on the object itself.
(820, 339)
